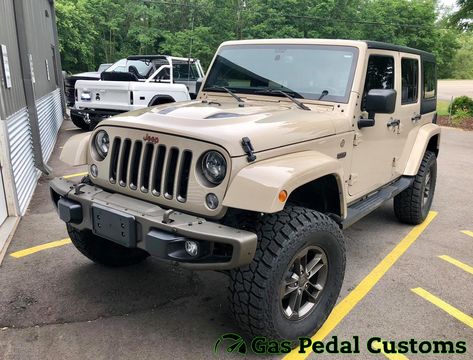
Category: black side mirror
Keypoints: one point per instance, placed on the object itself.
(382, 101)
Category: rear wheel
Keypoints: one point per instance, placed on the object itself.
(103, 251)
(293, 282)
(413, 204)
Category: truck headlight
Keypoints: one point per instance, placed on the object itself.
(214, 167)
(102, 143)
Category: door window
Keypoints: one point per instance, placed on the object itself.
(379, 74)
(430, 80)
(410, 81)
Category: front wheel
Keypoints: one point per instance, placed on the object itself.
(413, 204)
(293, 282)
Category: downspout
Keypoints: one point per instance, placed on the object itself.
(29, 87)
(58, 57)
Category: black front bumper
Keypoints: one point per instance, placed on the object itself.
(162, 233)
(95, 115)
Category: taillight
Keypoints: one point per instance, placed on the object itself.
(75, 94)
(131, 97)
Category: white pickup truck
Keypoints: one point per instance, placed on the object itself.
(138, 82)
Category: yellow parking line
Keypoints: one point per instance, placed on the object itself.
(345, 306)
(395, 356)
(469, 233)
(449, 309)
(458, 263)
(35, 249)
(74, 175)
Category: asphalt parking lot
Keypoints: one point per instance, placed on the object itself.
(401, 283)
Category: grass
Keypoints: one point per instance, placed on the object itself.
(442, 107)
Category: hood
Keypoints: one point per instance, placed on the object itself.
(268, 126)
(90, 74)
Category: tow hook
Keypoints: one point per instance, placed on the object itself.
(167, 216)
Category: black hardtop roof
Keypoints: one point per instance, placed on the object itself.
(155, 57)
(142, 57)
(386, 46)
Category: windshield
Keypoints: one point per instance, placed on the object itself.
(142, 66)
(303, 71)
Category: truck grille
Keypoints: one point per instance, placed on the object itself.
(150, 168)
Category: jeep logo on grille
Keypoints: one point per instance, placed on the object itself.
(151, 139)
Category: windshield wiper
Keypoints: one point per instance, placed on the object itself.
(235, 96)
(295, 101)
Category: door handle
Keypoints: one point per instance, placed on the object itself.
(416, 117)
(394, 122)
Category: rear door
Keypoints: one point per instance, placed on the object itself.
(3, 204)
(409, 111)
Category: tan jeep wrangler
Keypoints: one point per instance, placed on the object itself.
(288, 142)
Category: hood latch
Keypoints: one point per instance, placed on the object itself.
(248, 149)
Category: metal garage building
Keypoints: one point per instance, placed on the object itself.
(31, 102)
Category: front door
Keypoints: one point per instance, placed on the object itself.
(376, 148)
(3, 203)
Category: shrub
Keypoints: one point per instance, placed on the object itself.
(462, 105)
(459, 117)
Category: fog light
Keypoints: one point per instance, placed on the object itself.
(192, 248)
(212, 201)
(94, 170)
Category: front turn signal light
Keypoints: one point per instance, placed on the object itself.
(282, 196)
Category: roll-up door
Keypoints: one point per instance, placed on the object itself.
(50, 119)
(21, 156)
(3, 203)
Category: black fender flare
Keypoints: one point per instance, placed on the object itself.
(161, 99)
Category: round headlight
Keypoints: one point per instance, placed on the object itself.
(102, 143)
(214, 167)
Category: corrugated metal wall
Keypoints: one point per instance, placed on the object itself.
(13, 99)
(21, 152)
(38, 19)
(50, 120)
(39, 29)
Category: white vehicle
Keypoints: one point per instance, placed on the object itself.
(135, 83)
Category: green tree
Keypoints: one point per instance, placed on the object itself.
(77, 38)
(463, 17)
(462, 64)
(98, 31)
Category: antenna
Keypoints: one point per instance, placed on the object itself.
(190, 47)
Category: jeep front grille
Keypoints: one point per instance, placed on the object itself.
(158, 169)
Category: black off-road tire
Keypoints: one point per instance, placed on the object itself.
(104, 252)
(410, 206)
(255, 289)
(78, 121)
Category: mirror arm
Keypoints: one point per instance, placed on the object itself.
(363, 123)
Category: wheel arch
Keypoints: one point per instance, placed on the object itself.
(298, 174)
(428, 138)
(161, 99)
(75, 149)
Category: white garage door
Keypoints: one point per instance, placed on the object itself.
(3, 204)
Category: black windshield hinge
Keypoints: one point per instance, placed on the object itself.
(248, 149)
